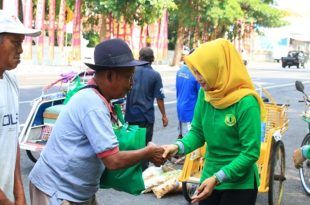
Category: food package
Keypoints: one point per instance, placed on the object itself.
(172, 185)
(154, 177)
(151, 172)
(160, 179)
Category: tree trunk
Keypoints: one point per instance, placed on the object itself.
(103, 28)
(20, 10)
(220, 33)
(178, 46)
(196, 36)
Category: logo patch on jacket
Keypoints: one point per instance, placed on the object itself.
(230, 120)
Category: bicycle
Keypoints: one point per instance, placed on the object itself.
(304, 170)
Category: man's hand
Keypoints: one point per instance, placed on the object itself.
(170, 150)
(6, 202)
(156, 154)
(165, 121)
(205, 189)
(298, 158)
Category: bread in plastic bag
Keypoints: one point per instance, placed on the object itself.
(172, 185)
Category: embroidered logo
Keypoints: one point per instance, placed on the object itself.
(230, 120)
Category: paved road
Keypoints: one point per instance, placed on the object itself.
(280, 83)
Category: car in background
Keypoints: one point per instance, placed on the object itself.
(294, 58)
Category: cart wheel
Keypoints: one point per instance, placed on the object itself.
(277, 174)
(304, 171)
(33, 156)
(188, 190)
(283, 65)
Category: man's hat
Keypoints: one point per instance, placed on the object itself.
(11, 24)
(113, 53)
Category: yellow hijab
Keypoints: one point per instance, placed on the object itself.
(221, 66)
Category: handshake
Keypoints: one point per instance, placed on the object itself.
(158, 155)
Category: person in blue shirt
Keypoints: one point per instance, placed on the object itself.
(187, 89)
(146, 88)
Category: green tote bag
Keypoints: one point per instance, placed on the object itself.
(130, 137)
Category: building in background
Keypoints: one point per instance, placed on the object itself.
(276, 42)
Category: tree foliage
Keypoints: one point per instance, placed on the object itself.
(262, 14)
(203, 20)
(209, 19)
(140, 11)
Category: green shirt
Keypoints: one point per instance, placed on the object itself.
(233, 141)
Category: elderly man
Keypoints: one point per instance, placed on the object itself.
(12, 34)
(82, 143)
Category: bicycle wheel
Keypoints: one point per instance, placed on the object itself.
(33, 156)
(277, 174)
(188, 190)
(304, 171)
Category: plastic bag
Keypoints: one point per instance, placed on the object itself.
(75, 86)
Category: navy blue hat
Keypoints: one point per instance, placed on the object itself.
(113, 53)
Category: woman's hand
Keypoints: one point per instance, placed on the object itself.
(205, 189)
(170, 150)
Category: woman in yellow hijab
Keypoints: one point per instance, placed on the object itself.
(227, 117)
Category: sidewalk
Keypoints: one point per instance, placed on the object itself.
(263, 65)
(32, 69)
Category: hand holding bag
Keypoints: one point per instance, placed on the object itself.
(130, 137)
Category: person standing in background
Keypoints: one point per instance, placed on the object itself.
(187, 88)
(12, 34)
(146, 88)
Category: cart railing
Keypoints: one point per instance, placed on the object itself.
(276, 125)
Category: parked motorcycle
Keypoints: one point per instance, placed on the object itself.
(304, 170)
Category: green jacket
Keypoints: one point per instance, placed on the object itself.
(233, 141)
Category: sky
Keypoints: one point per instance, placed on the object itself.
(299, 18)
(298, 7)
(299, 27)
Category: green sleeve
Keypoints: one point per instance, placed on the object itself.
(249, 131)
(195, 138)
